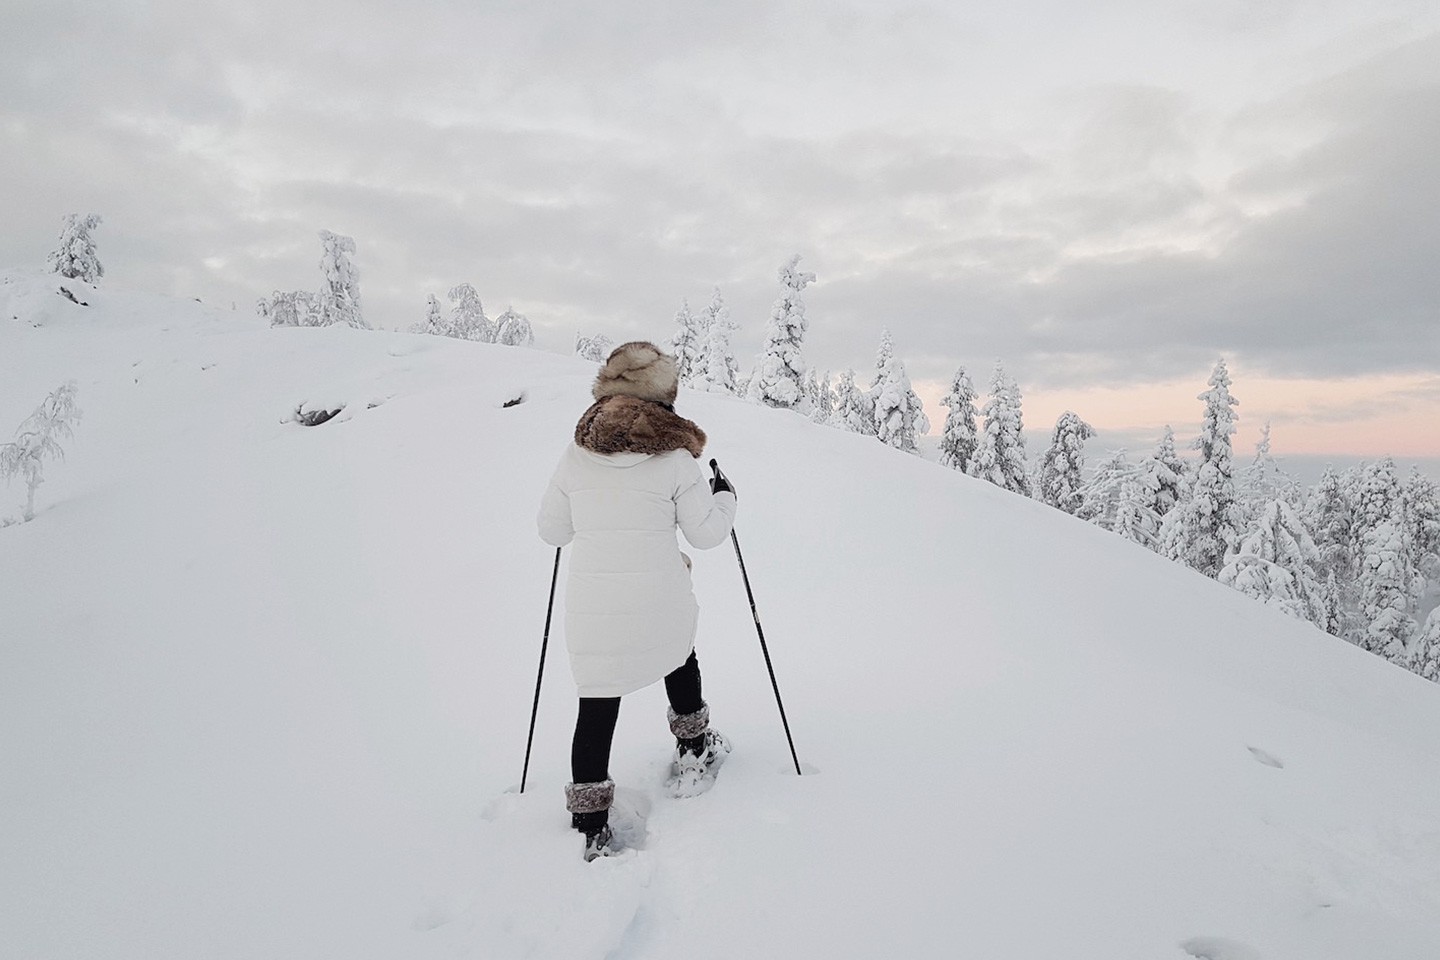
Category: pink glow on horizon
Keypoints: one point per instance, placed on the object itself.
(1395, 415)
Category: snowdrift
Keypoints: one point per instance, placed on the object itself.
(264, 690)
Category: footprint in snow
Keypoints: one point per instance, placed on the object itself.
(1218, 948)
(628, 813)
(1269, 759)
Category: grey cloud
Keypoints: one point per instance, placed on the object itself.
(596, 169)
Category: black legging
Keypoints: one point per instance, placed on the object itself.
(595, 725)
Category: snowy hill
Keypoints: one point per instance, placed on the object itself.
(264, 691)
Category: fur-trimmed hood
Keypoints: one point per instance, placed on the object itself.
(625, 424)
(638, 369)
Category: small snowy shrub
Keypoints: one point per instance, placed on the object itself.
(37, 439)
(596, 349)
(513, 330)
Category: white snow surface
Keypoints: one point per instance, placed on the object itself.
(264, 691)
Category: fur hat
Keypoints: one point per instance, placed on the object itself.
(638, 369)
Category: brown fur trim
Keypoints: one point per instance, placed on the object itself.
(589, 797)
(688, 726)
(638, 369)
(629, 425)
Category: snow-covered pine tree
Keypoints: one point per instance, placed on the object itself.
(513, 329)
(74, 257)
(1134, 520)
(1422, 516)
(596, 349)
(1276, 563)
(1000, 457)
(1206, 525)
(899, 414)
(1385, 585)
(38, 439)
(1164, 474)
(852, 408)
(959, 439)
(1264, 479)
(1386, 575)
(883, 355)
(293, 308)
(1102, 493)
(340, 293)
(1063, 465)
(810, 388)
(1329, 516)
(688, 342)
(1425, 660)
(776, 380)
(434, 323)
(823, 404)
(717, 370)
(467, 315)
(1334, 597)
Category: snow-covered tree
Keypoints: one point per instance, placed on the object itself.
(822, 404)
(1264, 479)
(1379, 497)
(1134, 518)
(717, 370)
(852, 407)
(513, 329)
(1385, 562)
(1063, 465)
(340, 293)
(1206, 526)
(688, 342)
(1102, 493)
(1425, 659)
(596, 348)
(74, 257)
(1422, 517)
(1385, 591)
(899, 414)
(38, 439)
(883, 355)
(434, 323)
(467, 315)
(1276, 562)
(1159, 484)
(776, 380)
(959, 439)
(1330, 518)
(1163, 472)
(1000, 457)
(292, 308)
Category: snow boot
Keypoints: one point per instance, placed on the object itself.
(589, 806)
(699, 751)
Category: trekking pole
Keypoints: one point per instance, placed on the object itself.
(540, 675)
(760, 631)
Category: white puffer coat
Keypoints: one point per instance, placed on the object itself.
(630, 613)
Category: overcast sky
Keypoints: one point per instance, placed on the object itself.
(1107, 196)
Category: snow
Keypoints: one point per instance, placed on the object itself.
(264, 691)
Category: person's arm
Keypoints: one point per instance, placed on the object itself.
(704, 518)
(557, 528)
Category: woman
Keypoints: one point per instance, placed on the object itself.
(619, 493)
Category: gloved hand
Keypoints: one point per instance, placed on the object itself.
(720, 483)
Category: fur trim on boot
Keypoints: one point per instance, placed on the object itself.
(589, 797)
(638, 369)
(689, 726)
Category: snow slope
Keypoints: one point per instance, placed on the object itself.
(264, 691)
